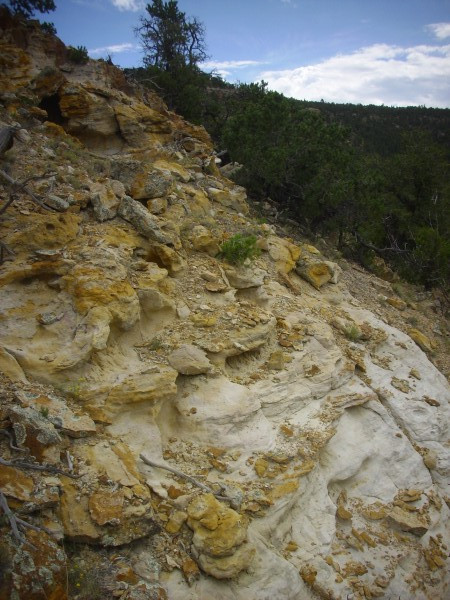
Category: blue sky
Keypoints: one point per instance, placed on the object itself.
(393, 52)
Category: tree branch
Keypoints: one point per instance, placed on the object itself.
(370, 246)
(199, 484)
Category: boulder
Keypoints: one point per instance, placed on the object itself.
(203, 241)
(421, 339)
(317, 271)
(104, 201)
(219, 536)
(227, 567)
(189, 360)
(407, 520)
(10, 367)
(151, 183)
(235, 198)
(106, 507)
(245, 277)
(142, 220)
(283, 252)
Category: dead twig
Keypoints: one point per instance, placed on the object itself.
(199, 484)
(69, 461)
(5, 249)
(21, 187)
(7, 434)
(17, 524)
(12, 519)
(36, 467)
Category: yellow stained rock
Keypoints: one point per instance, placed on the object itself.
(291, 546)
(227, 567)
(276, 361)
(91, 287)
(15, 484)
(203, 320)
(400, 384)
(49, 231)
(397, 303)
(261, 465)
(190, 570)
(75, 516)
(286, 430)
(74, 101)
(106, 507)
(375, 513)
(202, 240)
(311, 249)
(308, 574)
(218, 530)
(355, 568)
(283, 252)
(103, 459)
(174, 169)
(15, 67)
(415, 373)
(148, 388)
(412, 522)
(174, 492)
(167, 257)
(421, 339)
(317, 274)
(176, 521)
(10, 367)
(141, 491)
(283, 489)
(343, 513)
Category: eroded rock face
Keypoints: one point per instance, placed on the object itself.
(322, 429)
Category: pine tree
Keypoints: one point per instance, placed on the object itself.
(26, 8)
(171, 40)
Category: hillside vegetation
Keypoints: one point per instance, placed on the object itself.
(374, 179)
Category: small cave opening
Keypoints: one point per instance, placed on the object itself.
(51, 105)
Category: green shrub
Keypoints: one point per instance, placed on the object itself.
(48, 28)
(156, 344)
(239, 248)
(78, 55)
(352, 333)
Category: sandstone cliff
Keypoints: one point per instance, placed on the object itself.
(296, 394)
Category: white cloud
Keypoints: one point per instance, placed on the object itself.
(113, 49)
(378, 74)
(226, 67)
(133, 5)
(440, 30)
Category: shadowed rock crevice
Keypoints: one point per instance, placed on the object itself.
(51, 105)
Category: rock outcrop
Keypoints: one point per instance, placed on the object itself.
(300, 428)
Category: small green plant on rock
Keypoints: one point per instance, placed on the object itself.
(48, 28)
(352, 333)
(155, 345)
(239, 248)
(78, 55)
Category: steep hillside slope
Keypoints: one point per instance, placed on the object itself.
(299, 442)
